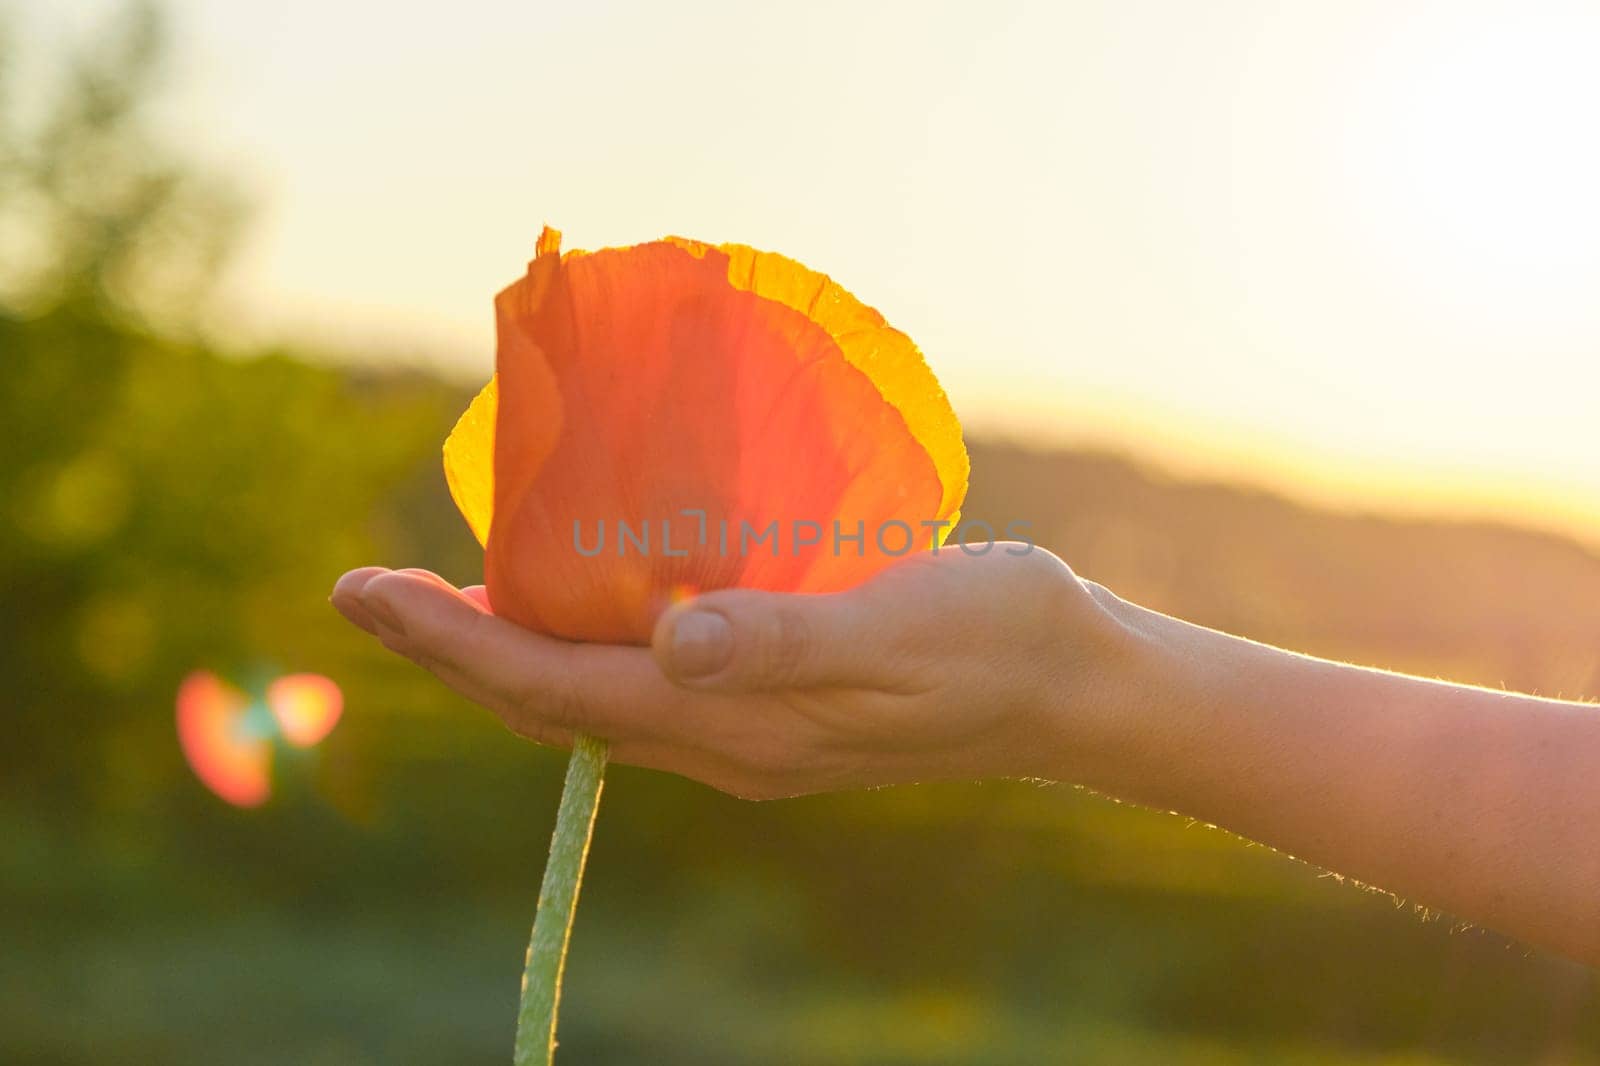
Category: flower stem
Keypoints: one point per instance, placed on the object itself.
(558, 898)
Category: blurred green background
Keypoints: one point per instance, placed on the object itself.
(166, 504)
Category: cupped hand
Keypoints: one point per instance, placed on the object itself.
(945, 665)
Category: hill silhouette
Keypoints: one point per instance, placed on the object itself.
(1491, 604)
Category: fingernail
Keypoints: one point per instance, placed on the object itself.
(384, 614)
(702, 644)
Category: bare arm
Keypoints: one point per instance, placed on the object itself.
(1479, 803)
(1483, 804)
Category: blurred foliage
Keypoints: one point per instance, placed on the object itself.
(164, 507)
(93, 212)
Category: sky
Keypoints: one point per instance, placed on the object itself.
(1346, 250)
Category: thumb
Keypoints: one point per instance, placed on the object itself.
(742, 640)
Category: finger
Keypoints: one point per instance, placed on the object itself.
(535, 683)
(728, 741)
(741, 640)
(479, 595)
(654, 755)
(346, 597)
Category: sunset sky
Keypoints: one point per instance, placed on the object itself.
(1352, 250)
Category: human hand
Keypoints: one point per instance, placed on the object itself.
(946, 665)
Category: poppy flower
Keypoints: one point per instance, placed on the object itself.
(676, 417)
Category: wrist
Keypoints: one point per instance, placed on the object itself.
(1120, 685)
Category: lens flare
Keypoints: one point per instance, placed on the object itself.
(229, 757)
(306, 706)
(228, 738)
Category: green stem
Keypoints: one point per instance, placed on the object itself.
(558, 898)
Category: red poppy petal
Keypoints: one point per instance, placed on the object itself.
(676, 391)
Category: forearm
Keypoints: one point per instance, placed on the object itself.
(1479, 803)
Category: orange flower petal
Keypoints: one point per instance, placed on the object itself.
(469, 461)
(469, 450)
(637, 384)
(887, 356)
